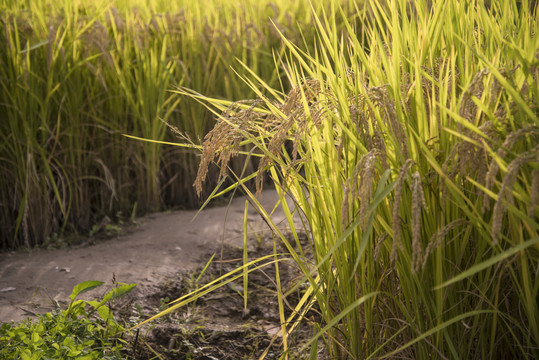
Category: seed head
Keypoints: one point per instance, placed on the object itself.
(494, 167)
(505, 195)
(396, 204)
(366, 184)
(438, 237)
(418, 203)
(378, 246)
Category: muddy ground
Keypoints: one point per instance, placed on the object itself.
(164, 254)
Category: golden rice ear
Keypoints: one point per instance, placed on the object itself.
(367, 129)
(346, 203)
(366, 181)
(468, 108)
(505, 196)
(418, 203)
(494, 167)
(431, 84)
(381, 99)
(378, 247)
(396, 225)
(351, 192)
(439, 236)
(98, 40)
(223, 141)
(360, 186)
(467, 158)
(237, 122)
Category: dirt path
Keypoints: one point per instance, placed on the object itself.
(162, 244)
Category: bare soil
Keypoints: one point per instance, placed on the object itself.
(164, 254)
(217, 326)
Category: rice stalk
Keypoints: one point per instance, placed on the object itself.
(436, 96)
(76, 75)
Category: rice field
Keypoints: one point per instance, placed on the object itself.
(76, 75)
(409, 148)
(405, 133)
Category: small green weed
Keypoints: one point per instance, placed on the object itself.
(163, 303)
(85, 330)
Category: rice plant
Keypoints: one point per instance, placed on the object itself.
(409, 147)
(76, 75)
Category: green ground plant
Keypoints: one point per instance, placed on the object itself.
(85, 330)
(409, 148)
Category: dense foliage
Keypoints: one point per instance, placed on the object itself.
(409, 148)
(85, 330)
(75, 75)
(407, 141)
